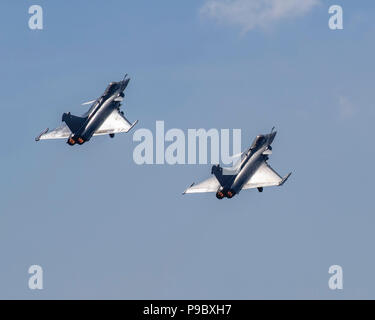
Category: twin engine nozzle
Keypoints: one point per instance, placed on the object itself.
(220, 194)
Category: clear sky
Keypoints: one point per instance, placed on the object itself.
(103, 227)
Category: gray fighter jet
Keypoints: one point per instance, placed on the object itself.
(103, 117)
(251, 171)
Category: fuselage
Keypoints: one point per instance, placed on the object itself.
(99, 112)
(250, 162)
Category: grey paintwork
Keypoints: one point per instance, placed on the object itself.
(252, 160)
(98, 113)
(252, 171)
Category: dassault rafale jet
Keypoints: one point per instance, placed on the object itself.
(103, 117)
(251, 171)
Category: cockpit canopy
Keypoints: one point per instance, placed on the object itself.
(258, 141)
(112, 87)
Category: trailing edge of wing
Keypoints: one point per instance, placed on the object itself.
(209, 185)
(61, 132)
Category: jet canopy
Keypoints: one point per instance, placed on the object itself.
(258, 141)
(112, 87)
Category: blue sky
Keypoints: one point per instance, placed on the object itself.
(103, 227)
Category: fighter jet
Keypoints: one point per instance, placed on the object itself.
(251, 171)
(103, 117)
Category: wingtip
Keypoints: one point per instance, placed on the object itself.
(188, 188)
(285, 178)
(40, 135)
(132, 126)
(134, 123)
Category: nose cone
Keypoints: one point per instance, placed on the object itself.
(125, 83)
(272, 137)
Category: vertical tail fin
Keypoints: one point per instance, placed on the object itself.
(222, 178)
(73, 122)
